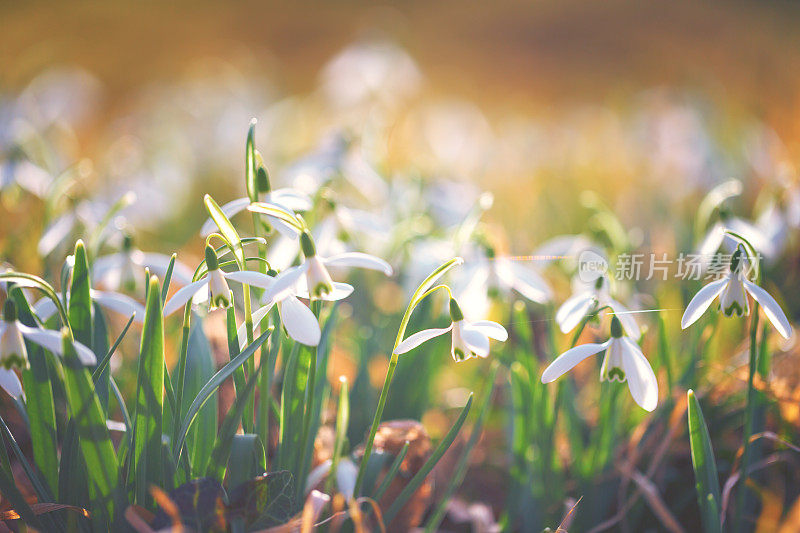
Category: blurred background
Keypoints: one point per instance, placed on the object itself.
(512, 96)
(648, 105)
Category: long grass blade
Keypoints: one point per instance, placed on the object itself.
(423, 472)
(705, 467)
(148, 420)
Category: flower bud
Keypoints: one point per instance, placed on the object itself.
(9, 310)
(616, 327)
(307, 245)
(455, 311)
(211, 258)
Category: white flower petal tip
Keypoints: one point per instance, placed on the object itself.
(183, 296)
(569, 359)
(701, 301)
(641, 379)
(10, 383)
(412, 341)
(770, 307)
(300, 322)
(493, 330)
(359, 260)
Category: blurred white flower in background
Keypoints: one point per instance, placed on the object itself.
(370, 72)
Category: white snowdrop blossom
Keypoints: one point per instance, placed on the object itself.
(215, 280)
(300, 322)
(113, 301)
(318, 282)
(346, 473)
(13, 354)
(119, 270)
(287, 199)
(597, 293)
(623, 361)
(470, 339)
(732, 291)
(491, 276)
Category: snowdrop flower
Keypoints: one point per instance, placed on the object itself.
(319, 284)
(623, 361)
(717, 237)
(26, 175)
(300, 322)
(346, 473)
(732, 291)
(12, 347)
(490, 276)
(113, 301)
(470, 339)
(218, 293)
(597, 293)
(119, 270)
(288, 199)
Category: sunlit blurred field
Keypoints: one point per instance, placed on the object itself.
(435, 130)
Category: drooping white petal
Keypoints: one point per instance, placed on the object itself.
(119, 303)
(625, 317)
(55, 233)
(248, 277)
(642, 380)
(230, 209)
(698, 305)
(284, 228)
(711, 242)
(299, 321)
(44, 308)
(51, 340)
(771, 308)
(474, 340)
(159, 263)
(182, 297)
(493, 330)
(412, 341)
(10, 383)
(360, 260)
(346, 474)
(573, 310)
(290, 199)
(567, 360)
(524, 280)
(105, 269)
(258, 314)
(317, 475)
(732, 299)
(286, 281)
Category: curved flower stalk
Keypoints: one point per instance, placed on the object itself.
(623, 361)
(318, 283)
(118, 270)
(732, 291)
(470, 339)
(218, 293)
(588, 296)
(287, 199)
(13, 333)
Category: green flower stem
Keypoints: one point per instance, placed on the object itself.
(388, 381)
(316, 307)
(748, 418)
(187, 323)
